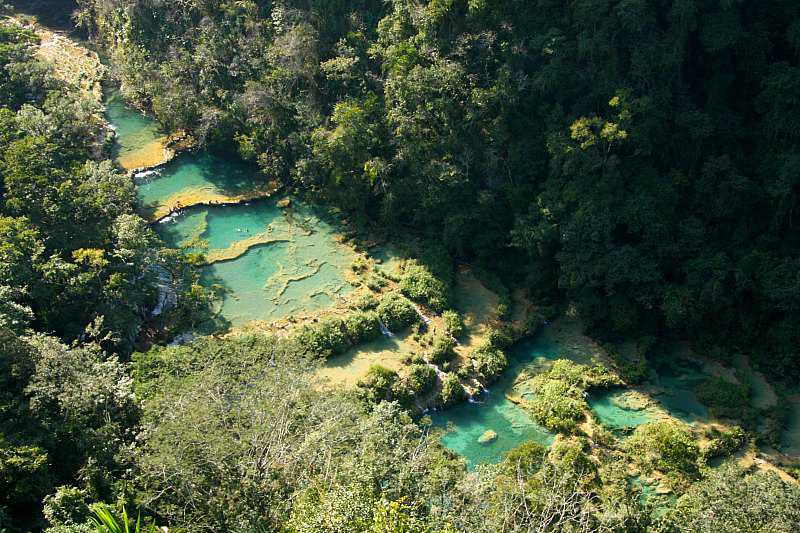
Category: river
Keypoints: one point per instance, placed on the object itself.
(275, 257)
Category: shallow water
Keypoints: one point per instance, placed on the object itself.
(197, 178)
(270, 262)
(347, 369)
(275, 262)
(790, 440)
(139, 141)
(512, 423)
(613, 410)
(674, 380)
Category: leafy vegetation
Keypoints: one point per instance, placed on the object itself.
(396, 312)
(636, 161)
(665, 445)
(560, 393)
(635, 157)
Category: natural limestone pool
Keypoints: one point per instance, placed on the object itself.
(272, 262)
(198, 178)
(268, 262)
(139, 142)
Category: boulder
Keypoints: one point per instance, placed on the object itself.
(487, 437)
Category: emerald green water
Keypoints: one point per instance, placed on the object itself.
(201, 175)
(269, 262)
(220, 226)
(674, 380)
(610, 409)
(511, 422)
(494, 411)
(299, 269)
(133, 129)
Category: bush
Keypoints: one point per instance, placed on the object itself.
(360, 264)
(67, 506)
(453, 322)
(559, 402)
(665, 445)
(376, 283)
(526, 459)
(557, 405)
(420, 285)
(396, 312)
(488, 361)
(336, 335)
(362, 327)
(725, 399)
(441, 350)
(366, 302)
(420, 380)
(582, 376)
(452, 391)
(324, 339)
(499, 338)
(377, 385)
(725, 443)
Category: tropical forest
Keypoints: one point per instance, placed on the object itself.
(399, 266)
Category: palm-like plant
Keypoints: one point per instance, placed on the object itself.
(105, 521)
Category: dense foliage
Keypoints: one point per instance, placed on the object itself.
(638, 156)
(79, 277)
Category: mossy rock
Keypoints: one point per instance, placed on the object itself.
(488, 436)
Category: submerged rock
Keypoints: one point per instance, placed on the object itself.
(487, 437)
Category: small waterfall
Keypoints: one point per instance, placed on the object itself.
(384, 330)
(425, 319)
(145, 174)
(167, 297)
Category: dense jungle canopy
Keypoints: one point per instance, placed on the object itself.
(634, 164)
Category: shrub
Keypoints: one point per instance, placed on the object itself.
(67, 506)
(376, 283)
(420, 285)
(557, 405)
(360, 264)
(452, 391)
(441, 349)
(324, 339)
(453, 322)
(582, 376)
(488, 361)
(336, 335)
(725, 399)
(366, 302)
(420, 380)
(526, 459)
(362, 327)
(499, 338)
(664, 445)
(396, 312)
(726, 443)
(377, 385)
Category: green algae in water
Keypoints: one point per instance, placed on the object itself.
(301, 269)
